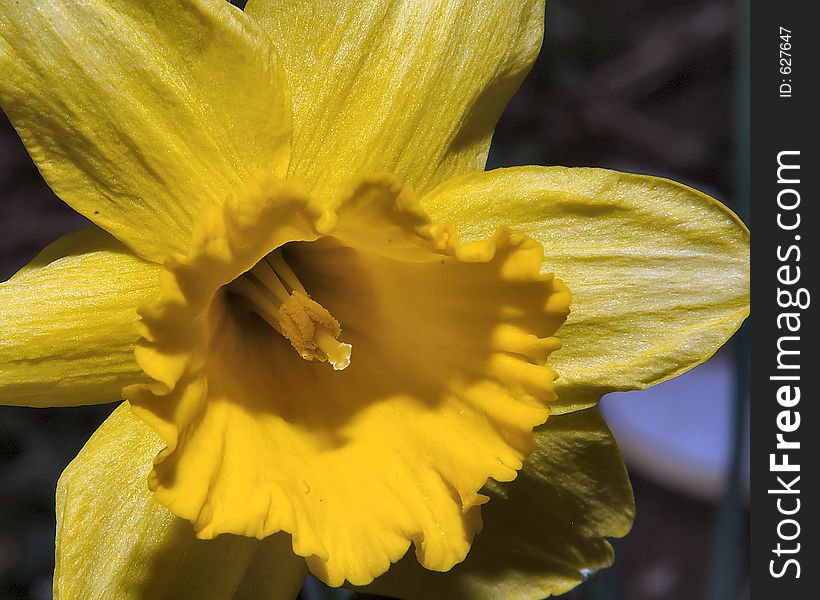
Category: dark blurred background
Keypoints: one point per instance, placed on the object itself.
(636, 85)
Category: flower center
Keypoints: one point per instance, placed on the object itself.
(272, 290)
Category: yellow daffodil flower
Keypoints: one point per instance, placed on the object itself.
(329, 324)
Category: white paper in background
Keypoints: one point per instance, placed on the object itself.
(678, 433)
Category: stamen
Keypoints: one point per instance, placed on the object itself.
(278, 264)
(263, 304)
(272, 290)
(269, 278)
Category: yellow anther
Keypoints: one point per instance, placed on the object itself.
(312, 330)
(276, 294)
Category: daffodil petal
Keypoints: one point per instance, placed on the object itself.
(659, 272)
(115, 541)
(411, 87)
(544, 532)
(67, 322)
(139, 114)
(446, 381)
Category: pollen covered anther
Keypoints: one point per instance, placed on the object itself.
(313, 331)
(275, 293)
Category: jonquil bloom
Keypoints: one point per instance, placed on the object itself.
(335, 334)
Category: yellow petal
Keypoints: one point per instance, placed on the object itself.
(67, 322)
(411, 87)
(659, 272)
(115, 541)
(139, 114)
(544, 532)
(445, 382)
